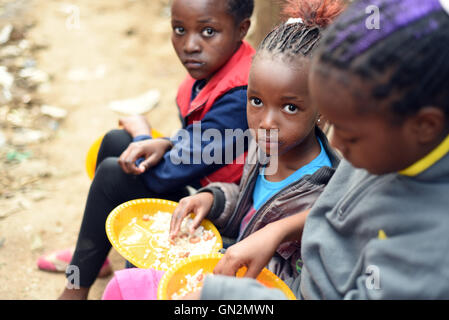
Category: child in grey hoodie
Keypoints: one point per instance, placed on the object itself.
(380, 230)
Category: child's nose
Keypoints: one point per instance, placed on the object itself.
(191, 44)
(268, 122)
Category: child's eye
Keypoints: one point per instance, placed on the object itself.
(179, 30)
(256, 102)
(208, 32)
(290, 108)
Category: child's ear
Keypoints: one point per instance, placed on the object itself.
(323, 124)
(244, 27)
(428, 125)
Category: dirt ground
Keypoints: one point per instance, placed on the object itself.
(129, 42)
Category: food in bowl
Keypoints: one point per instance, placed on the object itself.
(187, 276)
(189, 283)
(164, 250)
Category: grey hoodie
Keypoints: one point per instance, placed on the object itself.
(369, 237)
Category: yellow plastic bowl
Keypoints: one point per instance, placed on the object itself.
(92, 153)
(133, 241)
(171, 280)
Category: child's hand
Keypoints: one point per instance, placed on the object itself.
(200, 204)
(152, 150)
(253, 252)
(135, 125)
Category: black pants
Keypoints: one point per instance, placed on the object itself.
(110, 188)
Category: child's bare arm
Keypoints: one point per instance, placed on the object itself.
(135, 125)
(225, 199)
(255, 251)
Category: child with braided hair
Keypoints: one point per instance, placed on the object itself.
(380, 229)
(284, 127)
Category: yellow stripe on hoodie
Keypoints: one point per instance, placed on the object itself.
(428, 161)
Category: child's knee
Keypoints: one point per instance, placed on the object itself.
(110, 180)
(113, 181)
(109, 167)
(115, 136)
(113, 144)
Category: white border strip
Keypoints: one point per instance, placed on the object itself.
(445, 5)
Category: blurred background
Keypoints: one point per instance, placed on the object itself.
(63, 65)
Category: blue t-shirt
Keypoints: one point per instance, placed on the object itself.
(265, 189)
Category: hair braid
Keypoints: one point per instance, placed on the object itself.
(412, 47)
(289, 40)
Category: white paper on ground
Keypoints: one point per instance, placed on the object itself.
(138, 105)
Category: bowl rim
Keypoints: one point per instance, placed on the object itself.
(109, 225)
(92, 152)
(163, 283)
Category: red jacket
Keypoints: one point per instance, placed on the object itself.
(232, 75)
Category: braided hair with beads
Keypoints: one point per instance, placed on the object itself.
(411, 46)
(301, 36)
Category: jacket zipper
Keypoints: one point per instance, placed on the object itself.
(261, 210)
(329, 151)
(244, 196)
(194, 110)
(354, 193)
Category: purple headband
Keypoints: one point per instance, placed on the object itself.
(394, 15)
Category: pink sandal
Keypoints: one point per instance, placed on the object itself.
(59, 260)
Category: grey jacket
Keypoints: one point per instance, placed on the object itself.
(232, 202)
(371, 237)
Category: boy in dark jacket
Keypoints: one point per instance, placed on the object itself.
(208, 39)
